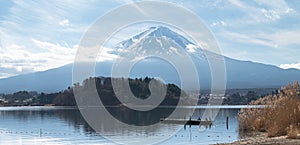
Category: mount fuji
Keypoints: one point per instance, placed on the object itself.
(158, 40)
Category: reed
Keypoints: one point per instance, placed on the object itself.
(279, 116)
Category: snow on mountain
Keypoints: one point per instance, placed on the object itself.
(158, 32)
(159, 41)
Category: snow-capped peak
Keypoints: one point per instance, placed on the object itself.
(159, 32)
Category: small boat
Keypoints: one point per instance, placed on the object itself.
(186, 121)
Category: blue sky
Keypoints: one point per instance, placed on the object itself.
(39, 35)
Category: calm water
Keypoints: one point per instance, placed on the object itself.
(64, 125)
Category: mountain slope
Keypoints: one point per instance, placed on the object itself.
(46, 81)
(158, 40)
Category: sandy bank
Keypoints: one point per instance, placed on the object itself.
(262, 139)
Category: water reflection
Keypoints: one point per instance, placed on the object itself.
(68, 124)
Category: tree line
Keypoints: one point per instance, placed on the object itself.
(138, 86)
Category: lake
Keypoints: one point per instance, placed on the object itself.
(65, 125)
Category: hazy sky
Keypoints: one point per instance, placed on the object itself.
(39, 35)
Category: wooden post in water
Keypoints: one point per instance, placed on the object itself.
(227, 122)
(190, 120)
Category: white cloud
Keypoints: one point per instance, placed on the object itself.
(280, 47)
(54, 48)
(95, 53)
(19, 60)
(37, 35)
(33, 39)
(107, 55)
(246, 38)
(271, 14)
(281, 39)
(293, 65)
(55, 54)
(262, 10)
(218, 23)
(64, 22)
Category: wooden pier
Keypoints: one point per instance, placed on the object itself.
(186, 122)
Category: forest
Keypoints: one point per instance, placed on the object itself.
(139, 88)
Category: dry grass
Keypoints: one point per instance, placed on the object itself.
(292, 132)
(280, 116)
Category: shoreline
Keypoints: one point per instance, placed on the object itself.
(260, 138)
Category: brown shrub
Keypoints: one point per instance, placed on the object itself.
(278, 114)
(292, 132)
